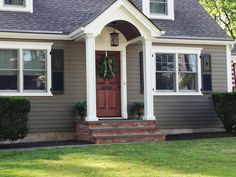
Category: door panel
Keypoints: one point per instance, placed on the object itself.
(108, 91)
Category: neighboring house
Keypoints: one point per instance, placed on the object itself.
(171, 55)
(233, 53)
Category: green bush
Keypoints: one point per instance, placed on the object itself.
(13, 118)
(225, 104)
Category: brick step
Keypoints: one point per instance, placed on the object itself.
(126, 123)
(124, 130)
(128, 138)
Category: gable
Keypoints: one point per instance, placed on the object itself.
(121, 10)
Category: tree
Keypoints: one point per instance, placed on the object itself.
(224, 12)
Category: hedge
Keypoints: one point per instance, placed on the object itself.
(225, 104)
(13, 118)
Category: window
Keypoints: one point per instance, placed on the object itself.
(177, 70)
(35, 69)
(159, 9)
(187, 72)
(25, 69)
(165, 71)
(16, 5)
(9, 71)
(14, 2)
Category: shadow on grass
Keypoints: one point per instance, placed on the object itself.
(197, 158)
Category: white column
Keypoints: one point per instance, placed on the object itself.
(229, 68)
(148, 87)
(91, 78)
(123, 84)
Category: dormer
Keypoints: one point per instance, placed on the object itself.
(16, 5)
(159, 9)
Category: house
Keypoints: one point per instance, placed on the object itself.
(169, 54)
(233, 52)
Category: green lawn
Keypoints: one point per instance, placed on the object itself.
(201, 158)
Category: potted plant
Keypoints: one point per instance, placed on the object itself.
(81, 108)
(138, 109)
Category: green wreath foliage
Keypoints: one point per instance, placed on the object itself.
(106, 67)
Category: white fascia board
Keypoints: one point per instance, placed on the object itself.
(193, 41)
(13, 35)
(24, 45)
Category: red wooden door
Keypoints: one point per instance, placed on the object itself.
(108, 90)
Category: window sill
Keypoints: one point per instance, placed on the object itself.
(27, 94)
(178, 94)
(161, 17)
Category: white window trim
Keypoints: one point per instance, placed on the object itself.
(27, 8)
(169, 16)
(177, 50)
(32, 46)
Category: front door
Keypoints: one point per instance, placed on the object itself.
(108, 90)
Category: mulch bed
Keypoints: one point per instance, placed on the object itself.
(194, 136)
(40, 145)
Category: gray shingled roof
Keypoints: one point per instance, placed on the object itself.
(54, 15)
(191, 20)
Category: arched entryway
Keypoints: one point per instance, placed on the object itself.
(133, 26)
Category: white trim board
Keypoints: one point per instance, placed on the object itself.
(229, 68)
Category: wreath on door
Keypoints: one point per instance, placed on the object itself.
(106, 67)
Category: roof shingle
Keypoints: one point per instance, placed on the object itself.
(60, 16)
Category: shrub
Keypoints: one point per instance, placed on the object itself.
(225, 104)
(13, 118)
(81, 108)
(138, 108)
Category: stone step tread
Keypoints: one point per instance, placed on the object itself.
(129, 136)
(126, 128)
(120, 121)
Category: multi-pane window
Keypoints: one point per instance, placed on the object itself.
(15, 2)
(165, 71)
(177, 72)
(35, 69)
(187, 71)
(159, 7)
(25, 69)
(9, 70)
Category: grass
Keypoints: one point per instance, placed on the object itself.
(200, 158)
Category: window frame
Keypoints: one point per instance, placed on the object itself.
(176, 51)
(28, 7)
(168, 16)
(20, 46)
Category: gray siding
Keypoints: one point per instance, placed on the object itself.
(181, 112)
(55, 114)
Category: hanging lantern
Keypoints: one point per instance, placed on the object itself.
(114, 38)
